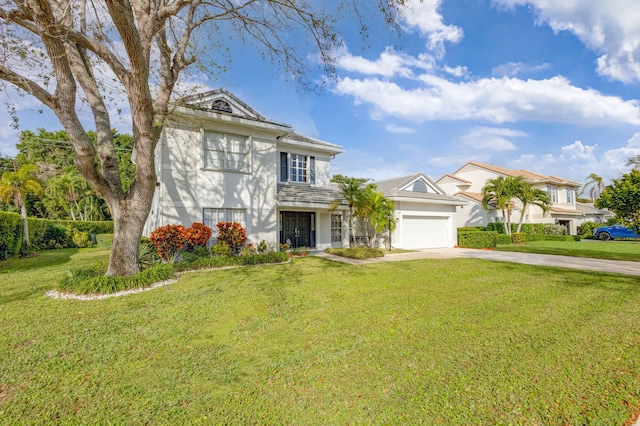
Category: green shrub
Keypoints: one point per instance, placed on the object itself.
(503, 239)
(221, 249)
(551, 229)
(91, 280)
(10, 234)
(586, 229)
(486, 239)
(531, 228)
(263, 247)
(472, 229)
(80, 239)
(518, 238)
(222, 261)
(542, 237)
(55, 237)
(284, 247)
(496, 227)
(360, 252)
(201, 251)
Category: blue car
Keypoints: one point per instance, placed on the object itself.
(605, 233)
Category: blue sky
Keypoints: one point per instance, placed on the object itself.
(548, 86)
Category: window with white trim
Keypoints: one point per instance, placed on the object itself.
(211, 217)
(570, 196)
(336, 228)
(223, 151)
(553, 193)
(297, 168)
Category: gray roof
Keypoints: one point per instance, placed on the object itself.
(590, 209)
(391, 188)
(306, 194)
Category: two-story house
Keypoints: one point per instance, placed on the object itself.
(467, 182)
(219, 160)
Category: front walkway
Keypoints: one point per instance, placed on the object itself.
(582, 263)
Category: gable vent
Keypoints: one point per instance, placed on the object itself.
(221, 105)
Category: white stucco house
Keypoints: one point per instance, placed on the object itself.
(219, 160)
(425, 215)
(467, 182)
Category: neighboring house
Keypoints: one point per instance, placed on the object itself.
(592, 214)
(218, 160)
(425, 215)
(467, 182)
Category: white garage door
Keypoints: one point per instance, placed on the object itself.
(424, 232)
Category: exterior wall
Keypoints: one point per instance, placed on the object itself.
(186, 188)
(473, 215)
(323, 166)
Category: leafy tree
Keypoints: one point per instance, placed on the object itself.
(375, 211)
(14, 186)
(72, 191)
(499, 193)
(623, 197)
(529, 195)
(595, 185)
(142, 48)
(350, 191)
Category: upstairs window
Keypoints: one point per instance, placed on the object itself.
(223, 151)
(297, 168)
(570, 196)
(553, 193)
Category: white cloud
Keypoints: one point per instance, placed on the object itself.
(512, 69)
(490, 99)
(608, 27)
(578, 151)
(492, 139)
(458, 71)
(389, 64)
(423, 15)
(399, 129)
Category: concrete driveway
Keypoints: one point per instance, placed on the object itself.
(585, 264)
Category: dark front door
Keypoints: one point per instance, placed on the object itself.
(298, 229)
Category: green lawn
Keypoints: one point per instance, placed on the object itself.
(458, 341)
(614, 250)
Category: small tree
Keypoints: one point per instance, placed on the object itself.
(499, 193)
(532, 196)
(350, 191)
(14, 186)
(623, 197)
(374, 210)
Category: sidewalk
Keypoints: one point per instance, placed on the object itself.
(582, 263)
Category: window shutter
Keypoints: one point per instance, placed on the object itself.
(312, 170)
(284, 176)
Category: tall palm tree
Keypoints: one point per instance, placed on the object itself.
(595, 184)
(529, 195)
(350, 192)
(14, 187)
(499, 193)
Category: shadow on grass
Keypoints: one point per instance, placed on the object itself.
(41, 259)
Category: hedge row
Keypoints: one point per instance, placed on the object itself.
(45, 234)
(489, 239)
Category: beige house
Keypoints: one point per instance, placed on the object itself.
(467, 182)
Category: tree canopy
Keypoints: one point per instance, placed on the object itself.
(623, 197)
(74, 54)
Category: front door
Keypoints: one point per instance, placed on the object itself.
(298, 229)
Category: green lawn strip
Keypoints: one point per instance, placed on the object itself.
(458, 341)
(611, 250)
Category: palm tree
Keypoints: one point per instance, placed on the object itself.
(69, 188)
(376, 212)
(532, 196)
(14, 186)
(350, 189)
(595, 184)
(498, 193)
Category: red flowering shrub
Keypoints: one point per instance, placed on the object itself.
(168, 240)
(233, 234)
(197, 235)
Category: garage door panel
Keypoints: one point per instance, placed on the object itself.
(425, 232)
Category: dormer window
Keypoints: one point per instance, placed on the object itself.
(221, 105)
(419, 186)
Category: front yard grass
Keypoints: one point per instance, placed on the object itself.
(612, 250)
(459, 341)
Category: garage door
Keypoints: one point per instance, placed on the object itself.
(424, 232)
